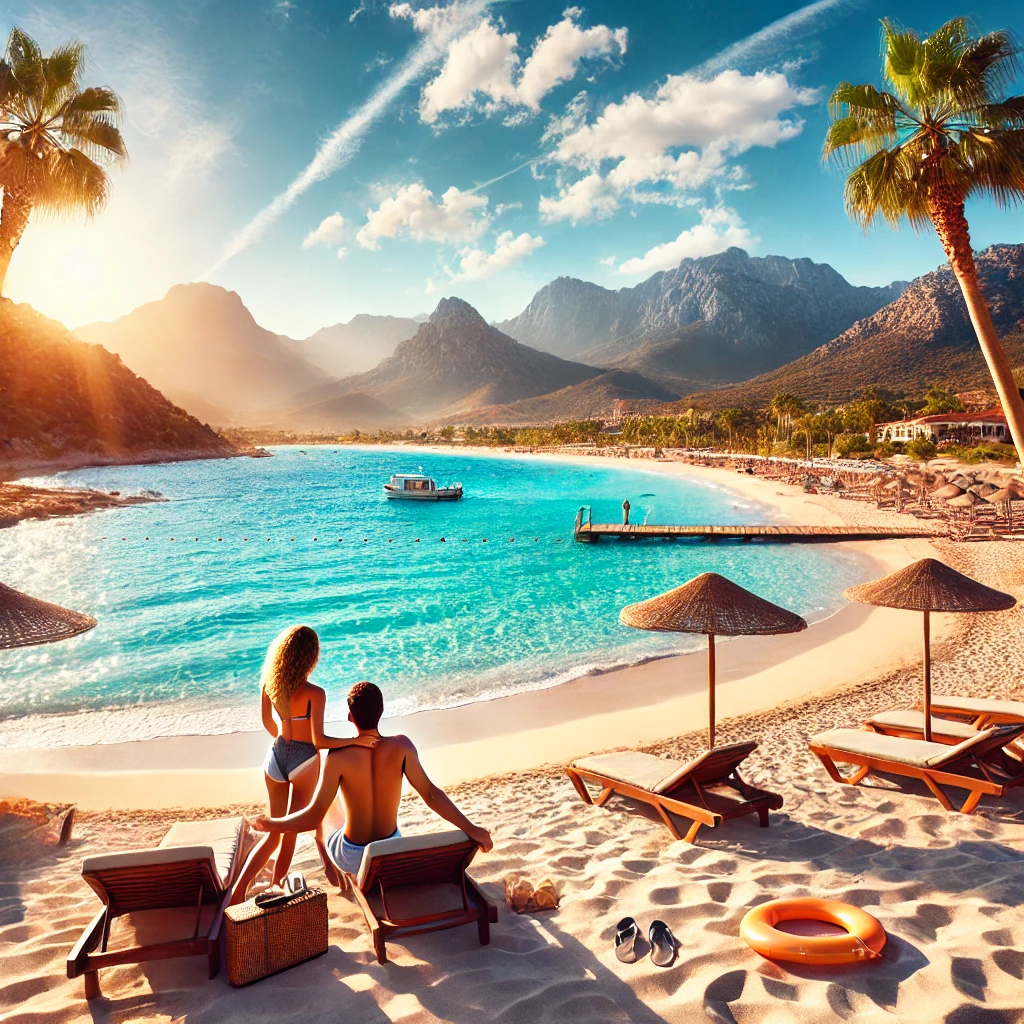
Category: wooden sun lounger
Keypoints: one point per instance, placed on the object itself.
(979, 711)
(708, 790)
(978, 764)
(416, 884)
(193, 868)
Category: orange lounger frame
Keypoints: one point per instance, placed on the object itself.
(416, 884)
(708, 790)
(978, 764)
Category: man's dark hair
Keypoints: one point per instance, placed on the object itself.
(366, 704)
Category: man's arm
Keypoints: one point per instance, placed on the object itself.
(309, 817)
(439, 801)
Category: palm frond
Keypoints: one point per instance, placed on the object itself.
(61, 70)
(851, 139)
(8, 84)
(903, 58)
(94, 100)
(73, 183)
(26, 61)
(987, 67)
(992, 165)
(98, 139)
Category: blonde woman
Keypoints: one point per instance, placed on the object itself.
(292, 766)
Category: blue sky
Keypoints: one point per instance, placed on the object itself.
(325, 159)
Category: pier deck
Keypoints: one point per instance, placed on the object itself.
(591, 532)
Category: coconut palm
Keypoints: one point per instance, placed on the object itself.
(943, 133)
(55, 138)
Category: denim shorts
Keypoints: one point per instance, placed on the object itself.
(348, 856)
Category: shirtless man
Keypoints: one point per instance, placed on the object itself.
(369, 781)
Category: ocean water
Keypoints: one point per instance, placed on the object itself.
(190, 592)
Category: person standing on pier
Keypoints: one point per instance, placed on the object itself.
(625, 512)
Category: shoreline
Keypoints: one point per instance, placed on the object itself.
(639, 703)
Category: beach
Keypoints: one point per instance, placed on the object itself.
(945, 886)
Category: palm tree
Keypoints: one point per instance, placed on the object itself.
(944, 132)
(54, 138)
(731, 419)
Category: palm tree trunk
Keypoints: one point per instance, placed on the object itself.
(947, 209)
(13, 220)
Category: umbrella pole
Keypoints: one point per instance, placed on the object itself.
(711, 691)
(927, 678)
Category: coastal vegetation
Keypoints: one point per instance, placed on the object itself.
(945, 132)
(786, 427)
(56, 138)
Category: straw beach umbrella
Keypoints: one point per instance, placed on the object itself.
(947, 491)
(930, 586)
(27, 620)
(712, 605)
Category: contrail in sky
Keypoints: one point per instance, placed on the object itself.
(767, 38)
(343, 143)
(484, 184)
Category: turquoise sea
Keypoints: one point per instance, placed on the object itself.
(189, 592)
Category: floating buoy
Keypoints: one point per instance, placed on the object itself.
(314, 538)
(863, 937)
(391, 540)
(485, 540)
(220, 539)
(442, 540)
(417, 540)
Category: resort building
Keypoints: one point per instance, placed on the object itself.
(989, 425)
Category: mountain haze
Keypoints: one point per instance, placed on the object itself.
(716, 318)
(65, 402)
(201, 347)
(454, 363)
(925, 337)
(356, 346)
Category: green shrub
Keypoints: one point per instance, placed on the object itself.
(921, 448)
(849, 444)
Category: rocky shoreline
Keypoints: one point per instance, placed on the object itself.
(20, 501)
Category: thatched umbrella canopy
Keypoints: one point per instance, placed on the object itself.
(1006, 496)
(963, 482)
(27, 620)
(712, 605)
(947, 491)
(930, 586)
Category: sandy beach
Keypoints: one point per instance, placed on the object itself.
(945, 886)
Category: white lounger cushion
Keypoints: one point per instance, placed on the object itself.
(916, 753)
(223, 835)
(914, 720)
(406, 844)
(980, 705)
(216, 841)
(645, 771)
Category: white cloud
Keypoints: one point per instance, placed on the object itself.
(480, 62)
(329, 232)
(607, 261)
(458, 217)
(482, 65)
(509, 249)
(586, 198)
(342, 253)
(719, 228)
(682, 138)
(556, 57)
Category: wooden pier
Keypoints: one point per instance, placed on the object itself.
(589, 532)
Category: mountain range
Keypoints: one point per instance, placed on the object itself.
(925, 337)
(721, 330)
(725, 317)
(66, 403)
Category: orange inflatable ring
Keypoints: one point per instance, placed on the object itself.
(863, 940)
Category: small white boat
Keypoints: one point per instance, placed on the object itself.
(417, 487)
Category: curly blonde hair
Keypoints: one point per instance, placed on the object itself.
(290, 659)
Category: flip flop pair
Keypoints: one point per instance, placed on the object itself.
(663, 942)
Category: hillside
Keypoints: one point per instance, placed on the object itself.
(592, 399)
(716, 318)
(352, 411)
(202, 348)
(67, 403)
(456, 362)
(925, 337)
(354, 347)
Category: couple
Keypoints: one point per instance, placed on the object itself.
(366, 771)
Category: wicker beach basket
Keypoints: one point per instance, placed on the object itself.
(262, 941)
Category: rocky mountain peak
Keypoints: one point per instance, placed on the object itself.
(455, 312)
